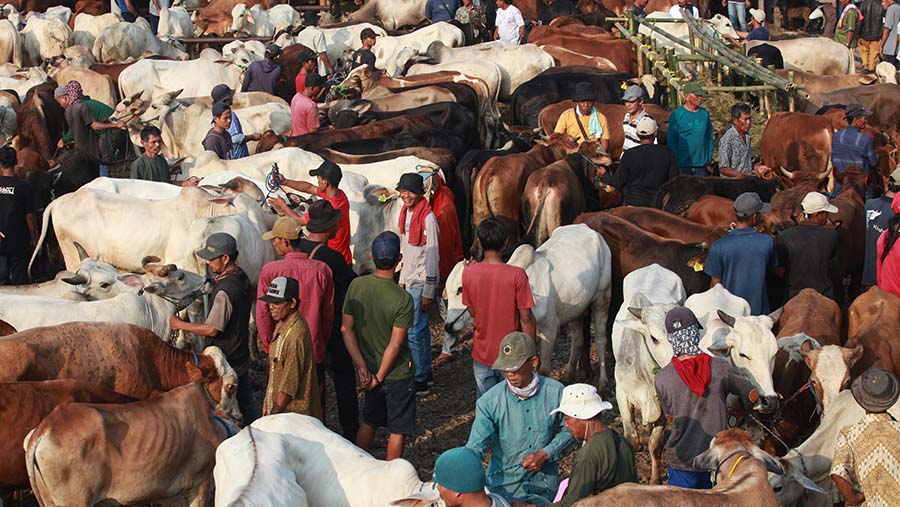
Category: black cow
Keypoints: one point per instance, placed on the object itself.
(428, 138)
(677, 195)
(448, 116)
(74, 169)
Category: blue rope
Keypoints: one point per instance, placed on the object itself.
(273, 182)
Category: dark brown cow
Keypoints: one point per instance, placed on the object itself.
(6, 329)
(872, 322)
(619, 52)
(442, 157)
(290, 67)
(26, 6)
(112, 70)
(851, 226)
(799, 142)
(23, 405)
(667, 225)
(40, 121)
(29, 160)
(92, 7)
(882, 99)
(323, 138)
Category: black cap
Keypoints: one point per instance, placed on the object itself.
(584, 91)
(322, 216)
(367, 33)
(217, 245)
(314, 79)
(412, 182)
(221, 92)
(854, 110)
(272, 51)
(386, 247)
(282, 289)
(305, 57)
(679, 318)
(328, 171)
(219, 108)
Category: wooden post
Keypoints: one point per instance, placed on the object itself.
(791, 105)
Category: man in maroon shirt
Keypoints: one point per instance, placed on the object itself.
(307, 62)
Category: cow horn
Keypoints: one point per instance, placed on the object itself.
(637, 312)
(776, 314)
(824, 174)
(149, 259)
(82, 253)
(160, 270)
(75, 279)
(727, 319)
(789, 175)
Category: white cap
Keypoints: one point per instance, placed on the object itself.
(815, 202)
(758, 15)
(581, 401)
(645, 126)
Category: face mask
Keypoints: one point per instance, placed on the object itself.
(527, 391)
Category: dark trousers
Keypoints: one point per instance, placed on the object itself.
(892, 59)
(13, 269)
(127, 16)
(154, 23)
(343, 374)
(245, 399)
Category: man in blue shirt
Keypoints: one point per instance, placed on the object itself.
(513, 420)
(224, 94)
(757, 30)
(441, 10)
(739, 261)
(850, 146)
(691, 132)
(878, 216)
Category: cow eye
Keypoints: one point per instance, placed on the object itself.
(181, 277)
(778, 488)
(459, 291)
(104, 285)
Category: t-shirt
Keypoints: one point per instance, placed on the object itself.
(629, 127)
(740, 260)
(218, 142)
(891, 21)
(340, 243)
(440, 10)
(300, 82)
(342, 275)
(304, 115)
(675, 11)
(16, 201)
(99, 111)
(889, 270)
(508, 22)
(567, 124)
(378, 305)
(151, 7)
(605, 461)
(79, 118)
(758, 33)
(690, 137)
(806, 251)
(313, 38)
(363, 56)
(849, 22)
(878, 217)
(496, 292)
(150, 169)
(642, 171)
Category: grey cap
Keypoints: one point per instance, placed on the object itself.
(515, 349)
(60, 91)
(875, 390)
(632, 93)
(217, 245)
(854, 110)
(748, 204)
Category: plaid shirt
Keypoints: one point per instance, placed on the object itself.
(867, 455)
(851, 147)
(734, 151)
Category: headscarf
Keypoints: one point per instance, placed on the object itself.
(685, 341)
(73, 92)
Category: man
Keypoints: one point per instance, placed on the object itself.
(739, 260)
(583, 122)
(318, 290)
(313, 38)
(870, 28)
(323, 224)
(830, 16)
(509, 22)
(878, 216)
(99, 111)
(218, 140)
(735, 152)
(229, 316)
(848, 25)
(151, 166)
(459, 476)
(440, 10)
(307, 63)
(758, 30)
(304, 112)
(850, 146)
(737, 13)
(293, 385)
(605, 459)
(887, 47)
(377, 314)
(222, 93)
(153, 8)
(691, 133)
(328, 178)
(692, 391)
(633, 98)
(421, 270)
(807, 250)
(127, 10)
(863, 466)
(81, 120)
(262, 75)
(472, 19)
(676, 10)
(637, 11)
(364, 55)
(513, 420)
(17, 226)
(642, 169)
(499, 300)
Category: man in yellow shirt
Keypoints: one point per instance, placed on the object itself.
(583, 120)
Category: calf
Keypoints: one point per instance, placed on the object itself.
(144, 452)
(871, 319)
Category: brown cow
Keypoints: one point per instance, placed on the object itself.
(92, 7)
(619, 52)
(567, 57)
(29, 160)
(718, 212)
(323, 138)
(882, 99)
(799, 142)
(667, 225)
(442, 157)
(614, 113)
(871, 324)
(23, 405)
(123, 358)
(814, 83)
(138, 453)
(6, 329)
(850, 220)
(594, 32)
(215, 17)
(40, 121)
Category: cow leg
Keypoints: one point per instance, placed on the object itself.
(576, 336)
(599, 317)
(655, 446)
(626, 411)
(547, 333)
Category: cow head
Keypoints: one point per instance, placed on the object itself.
(241, 185)
(726, 447)
(790, 485)
(751, 346)
(722, 25)
(176, 286)
(96, 280)
(219, 379)
(829, 368)
(240, 16)
(458, 316)
(648, 320)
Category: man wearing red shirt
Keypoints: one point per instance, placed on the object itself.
(307, 62)
(499, 299)
(328, 177)
(304, 112)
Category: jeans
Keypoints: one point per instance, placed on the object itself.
(689, 480)
(245, 399)
(485, 378)
(154, 23)
(419, 336)
(343, 374)
(104, 171)
(13, 269)
(737, 13)
(694, 171)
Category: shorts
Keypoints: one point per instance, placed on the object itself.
(392, 405)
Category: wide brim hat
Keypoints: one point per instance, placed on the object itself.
(322, 216)
(581, 401)
(584, 91)
(875, 390)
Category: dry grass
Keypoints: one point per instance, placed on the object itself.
(719, 106)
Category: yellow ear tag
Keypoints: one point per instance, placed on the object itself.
(382, 198)
(698, 267)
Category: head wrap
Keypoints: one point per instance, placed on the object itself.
(73, 92)
(685, 340)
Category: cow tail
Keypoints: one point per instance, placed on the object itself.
(529, 232)
(45, 222)
(31, 465)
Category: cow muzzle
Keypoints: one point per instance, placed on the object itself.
(766, 404)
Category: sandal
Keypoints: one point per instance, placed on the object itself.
(441, 360)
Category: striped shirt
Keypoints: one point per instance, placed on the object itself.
(629, 125)
(851, 147)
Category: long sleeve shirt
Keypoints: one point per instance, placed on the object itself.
(421, 263)
(512, 428)
(691, 137)
(851, 147)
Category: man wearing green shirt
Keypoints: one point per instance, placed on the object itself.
(99, 111)
(377, 315)
(846, 31)
(513, 420)
(152, 166)
(691, 132)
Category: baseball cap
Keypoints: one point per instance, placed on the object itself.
(217, 245)
(695, 88)
(314, 79)
(282, 289)
(854, 110)
(366, 33)
(272, 51)
(515, 349)
(329, 171)
(284, 228)
(646, 126)
(305, 57)
(679, 318)
(221, 92)
(749, 204)
(815, 202)
(581, 401)
(219, 108)
(460, 470)
(632, 93)
(60, 91)
(758, 15)
(386, 247)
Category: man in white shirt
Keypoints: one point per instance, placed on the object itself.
(314, 39)
(510, 25)
(633, 98)
(675, 10)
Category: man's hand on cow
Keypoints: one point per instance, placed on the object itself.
(253, 137)
(193, 181)
(175, 323)
(534, 461)
(279, 204)
(60, 143)
(425, 304)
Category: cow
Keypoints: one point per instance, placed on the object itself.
(429, 138)
(818, 84)
(322, 139)
(74, 169)
(441, 157)
(677, 195)
(23, 405)
(815, 55)
(215, 17)
(338, 40)
(718, 213)
(174, 23)
(668, 225)
(87, 27)
(6, 329)
(165, 291)
(388, 49)
(444, 115)
(41, 121)
(194, 77)
(555, 195)
(566, 57)
(124, 41)
(798, 142)
(392, 14)
(869, 325)
(259, 22)
(10, 44)
(95, 85)
(850, 222)
(744, 484)
(562, 296)
(717, 26)
(44, 39)
(488, 72)
(105, 453)
(882, 99)
(620, 54)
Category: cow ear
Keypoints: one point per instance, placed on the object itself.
(808, 346)
(807, 483)
(854, 355)
(772, 464)
(131, 280)
(637, 312)
(727, 319)
(706, 460)
(695, 262)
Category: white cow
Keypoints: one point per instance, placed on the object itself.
(487, 71)
(10, 43)
(817, 55)
(327, 467)
(261, 22)
(331, 41)
(718, 24)
(20, 84)
(389, 48)
(60, 12)
(392, 13)
(174, 23)
(166, 291)
(254, 47)
(99, 87)
(8, 119)
(641, 349)
(829, 368)
(568, 274)
(194, 77)
(88, 26)
(518, 64)
(44, 39)
(253, 251)
(129, 41)
(78, 56)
